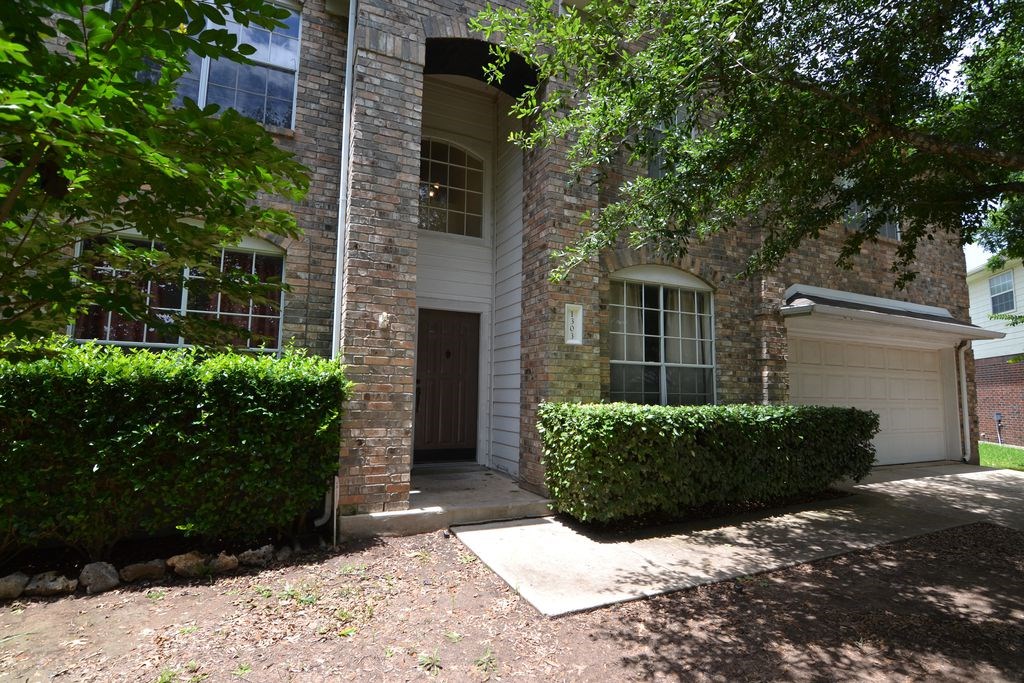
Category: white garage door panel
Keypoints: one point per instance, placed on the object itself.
(904, 386)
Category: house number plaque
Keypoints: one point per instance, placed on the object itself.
(573, 324)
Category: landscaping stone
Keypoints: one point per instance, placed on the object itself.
(153, 570)
(223, 564)
(50, 583)
(259, 557)
(12, 585)
(189, 565)
(284, 554)
(98, 577)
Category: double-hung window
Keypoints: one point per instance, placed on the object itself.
(191, 296)
(662, 344)
(264, 91)
(1000, 288)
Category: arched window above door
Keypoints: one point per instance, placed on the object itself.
(451, 189)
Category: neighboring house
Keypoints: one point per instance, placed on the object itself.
(448, 322)
(1000, 383)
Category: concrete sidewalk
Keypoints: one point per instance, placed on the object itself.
(561, 568)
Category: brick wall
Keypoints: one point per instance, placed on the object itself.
(316, 142)
(379, 309)
(1000, 389)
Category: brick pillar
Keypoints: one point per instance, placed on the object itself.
(379, 309)
(553, 370)
(772, 350)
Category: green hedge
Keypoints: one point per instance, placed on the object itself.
(101, 442)
(606, 462)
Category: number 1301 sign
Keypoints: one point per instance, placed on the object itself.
(573, 324)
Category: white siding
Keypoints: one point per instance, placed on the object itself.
(508, 288)
(481, 275)
(981, 309)
(452, 267)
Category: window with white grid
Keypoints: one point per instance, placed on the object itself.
(190, 296)
(662, 344)
(1000, 288)
(451, 189)
(264, 91)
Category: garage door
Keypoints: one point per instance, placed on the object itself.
(902, 385)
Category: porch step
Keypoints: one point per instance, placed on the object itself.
(434, 518)
(444, 495)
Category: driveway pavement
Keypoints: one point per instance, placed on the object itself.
(559, 567)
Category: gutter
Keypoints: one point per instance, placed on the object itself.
(951, 327)
(965, 421)
(331, 497)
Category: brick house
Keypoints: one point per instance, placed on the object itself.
(1000, 383)
(448, 322)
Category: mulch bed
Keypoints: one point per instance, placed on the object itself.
(948, 606)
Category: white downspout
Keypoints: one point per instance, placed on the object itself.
(330, 500)
(965, 415)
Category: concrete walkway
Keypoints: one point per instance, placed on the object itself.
(560, 568)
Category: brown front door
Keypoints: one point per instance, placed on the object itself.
(447, 359)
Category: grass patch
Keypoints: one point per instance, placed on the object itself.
(994, 455)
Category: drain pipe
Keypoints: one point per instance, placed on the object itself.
(331, 497)
(965, 424)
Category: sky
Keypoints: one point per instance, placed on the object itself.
(976, 256)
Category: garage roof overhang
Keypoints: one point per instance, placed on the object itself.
(829, 313)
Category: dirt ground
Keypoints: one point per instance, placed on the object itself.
(949, 606)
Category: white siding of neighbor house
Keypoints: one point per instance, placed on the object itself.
(981, 309)
(508, 289)
(481, 275)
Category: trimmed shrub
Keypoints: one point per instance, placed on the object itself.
(606, 462)
(100, 442)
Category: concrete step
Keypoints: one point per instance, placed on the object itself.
(436, 517)
(447, 494)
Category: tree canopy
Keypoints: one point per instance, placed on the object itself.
(94, 146)
(788, 114)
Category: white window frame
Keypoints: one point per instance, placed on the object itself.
(484, 170)
(1002, 280)
(204, 69)
(665, 277)
(248, 246)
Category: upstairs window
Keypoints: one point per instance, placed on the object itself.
(1000, 288)
(856, 218)
(662, 344)
(264, 91)
(190, 296)
(451, 189)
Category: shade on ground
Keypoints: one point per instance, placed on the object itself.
(562, 568)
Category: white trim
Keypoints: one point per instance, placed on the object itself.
(263, 248)
(891, 326)
(661, 275)
(483, 415)
(666, 276)
(204, 67)
(863, 299)
(479, 149)
(256, 245)
(973, 273)
(1011, 291)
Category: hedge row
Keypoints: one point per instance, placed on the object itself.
(100, 442)
(606, 462)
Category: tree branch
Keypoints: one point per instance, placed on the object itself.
(923, 141)
(43, 147)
